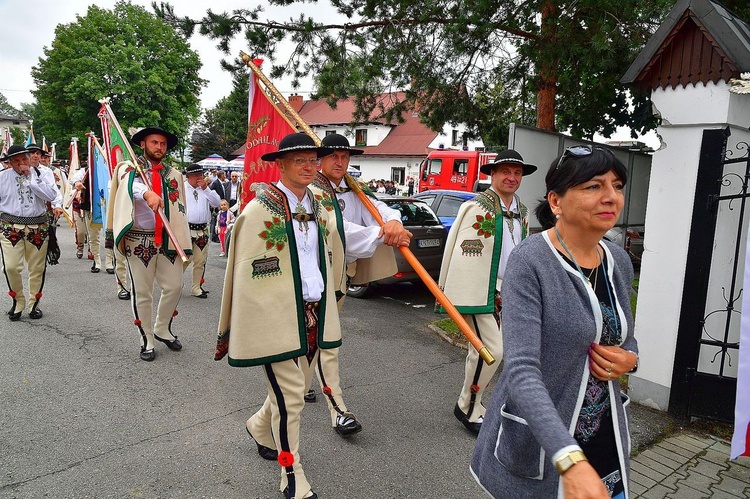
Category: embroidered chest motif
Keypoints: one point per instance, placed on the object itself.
(485, 225)
(472, 247)
(266, 267)
(275, 233)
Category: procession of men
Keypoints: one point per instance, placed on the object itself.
(294, 250)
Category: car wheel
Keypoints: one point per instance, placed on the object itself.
(357, 291)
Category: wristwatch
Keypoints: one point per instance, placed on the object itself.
(567, 460)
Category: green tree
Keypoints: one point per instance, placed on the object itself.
(223, 128)
(563, 57)
(143, 65)
(6, 108)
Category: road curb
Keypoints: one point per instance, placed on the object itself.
(445, 336)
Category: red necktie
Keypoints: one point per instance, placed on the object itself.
(156, 187)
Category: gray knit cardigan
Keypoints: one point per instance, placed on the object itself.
(550, 318)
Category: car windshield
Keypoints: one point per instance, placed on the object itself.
(414, 213)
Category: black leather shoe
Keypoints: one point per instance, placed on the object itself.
(124, 294)
(148, 355)
(287, 495)
(171, 344)
(14, 317)
(347, 425)
(35, 314)
(95, 270)
(265, 452)
(202, 295)
(310, 396)
(472, 427)
(110, 271)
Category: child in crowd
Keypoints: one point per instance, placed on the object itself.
(223, 221)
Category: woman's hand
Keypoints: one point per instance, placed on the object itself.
(610, 362)
(582, 482)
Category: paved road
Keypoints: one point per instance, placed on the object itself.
(83, 416)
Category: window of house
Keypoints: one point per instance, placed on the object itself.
(454, 138)
(361, 137)
(330, 132)
(398, 175)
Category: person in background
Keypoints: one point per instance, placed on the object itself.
(24, 229)
(558, 423)
(224, 219)
(486, 230)
(335, 192)
(234, 190)
(200, 200)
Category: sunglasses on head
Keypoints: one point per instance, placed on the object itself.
(578, 152)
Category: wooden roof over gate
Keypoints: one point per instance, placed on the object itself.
(700, 41)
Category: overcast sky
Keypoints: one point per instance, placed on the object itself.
(29, 26)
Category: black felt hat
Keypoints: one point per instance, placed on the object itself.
(509, 157)
(296, 142)
(14, 150)
(33, 147)
(194, 168)
(339, 142)
(141, 135)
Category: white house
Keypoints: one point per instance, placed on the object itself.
(393, 151)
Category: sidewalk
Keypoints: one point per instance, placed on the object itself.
(686, 466)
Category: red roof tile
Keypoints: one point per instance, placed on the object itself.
(409, 138)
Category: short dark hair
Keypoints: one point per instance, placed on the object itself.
(575, 170)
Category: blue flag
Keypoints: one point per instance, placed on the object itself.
(99, 187)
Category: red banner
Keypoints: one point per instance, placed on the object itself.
(266, 127)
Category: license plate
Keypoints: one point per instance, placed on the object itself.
(428, 243)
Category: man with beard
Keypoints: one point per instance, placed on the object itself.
(138, 233)
(200, 199)
(336, 195)
(24, 229)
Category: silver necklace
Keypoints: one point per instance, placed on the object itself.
(578, 267)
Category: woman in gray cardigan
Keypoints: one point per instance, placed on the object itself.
(557, 425)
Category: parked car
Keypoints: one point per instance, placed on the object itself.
(427, 243)
(445, 203)
(629, 238)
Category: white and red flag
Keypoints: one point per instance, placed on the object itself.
(266, 127)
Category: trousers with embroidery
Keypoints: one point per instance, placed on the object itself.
(198, 259)
(24, 244)
(86, 228)
(146, 264)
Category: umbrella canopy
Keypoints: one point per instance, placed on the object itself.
(213, 161)
(237, 164)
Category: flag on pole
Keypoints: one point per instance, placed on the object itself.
(75, 162)
(741, 437)
(98, 180)
(112, 142)
(30, 138)
(53, 151)
(44, 144)
(266, 127)
(7, 141)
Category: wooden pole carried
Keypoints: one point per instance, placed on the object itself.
(450, 309)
